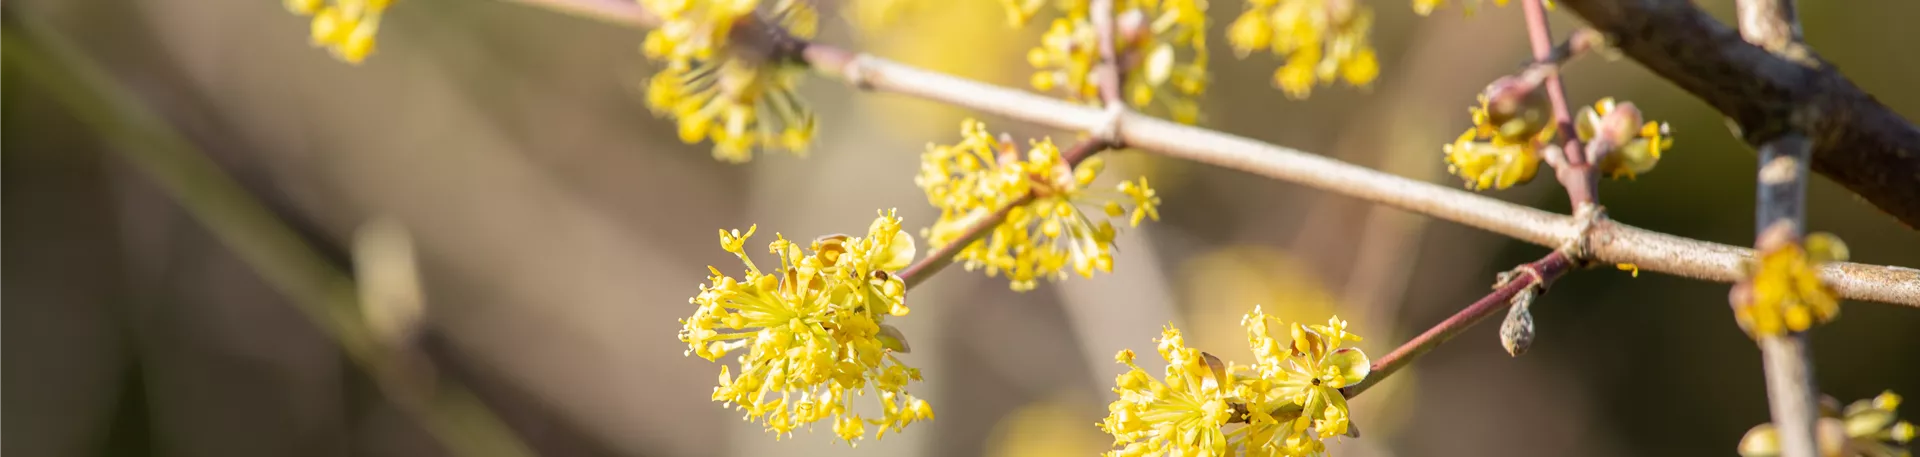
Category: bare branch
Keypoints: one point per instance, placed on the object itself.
(1573, 171)
(1109, 76)
(1607, 241)
(1780, 209)
(1780, 202)
(1858, 142)
(1539, 273)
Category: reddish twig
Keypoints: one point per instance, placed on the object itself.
(1539, 273)
(940, 258)
(1573, 169)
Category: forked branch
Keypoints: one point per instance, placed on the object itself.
(1606, 241)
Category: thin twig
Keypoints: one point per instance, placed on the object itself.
(941, 257)
(1539, 273)
(320, 291)
(1607, 241)
(1574, 172)
(1108, 72)
(1780, 211)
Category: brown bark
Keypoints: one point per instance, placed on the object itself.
(1858, 142)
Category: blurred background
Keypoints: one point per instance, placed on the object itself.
(558, 229)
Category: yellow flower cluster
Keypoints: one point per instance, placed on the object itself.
(1638, 154)
(812, 331)
(742, 99)
(1320, 39)
(1161, 43)
(971, 180)
(1287, 403)
(1497, 153)
(345, 27)
(1786, 292)
(1869, 428)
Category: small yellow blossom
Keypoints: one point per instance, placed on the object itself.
(1182, 415)
(1163, 43)
(1309, 369)
(741, 99)
(1044, 237)
(1786, 293)
(345, 27)
(1321, 40)
(1868, 428)
(1637, 154)
(1288, 402)
(695, 29)
(811, 331)
(1498, 156)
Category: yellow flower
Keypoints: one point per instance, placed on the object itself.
(1321, 40)
(1639, 149)
(1289, 400)
(1181, 416)
(1163, 43)
(1864, 428)
(811, 331)
(696, 29)
(1309, 370)
(742, 99)
(345, 27)
(1496, 155)
(1044, 237)
(1786, 293)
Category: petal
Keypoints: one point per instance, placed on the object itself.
(1353, 364)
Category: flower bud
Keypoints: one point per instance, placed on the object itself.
(1517, 106)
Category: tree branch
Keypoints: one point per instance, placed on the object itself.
(1780, 203)
(1769, 24)
(1572, 170)
(1857, 142)
(1607, 241)
(940, 258)
(1539, 273)
(1107, 72)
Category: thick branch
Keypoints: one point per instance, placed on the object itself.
(1607, 241)
(1858, 142)
(1769, 24)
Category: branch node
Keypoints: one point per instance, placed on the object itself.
(1108, 130)
(1578, 248)
(856, 71)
